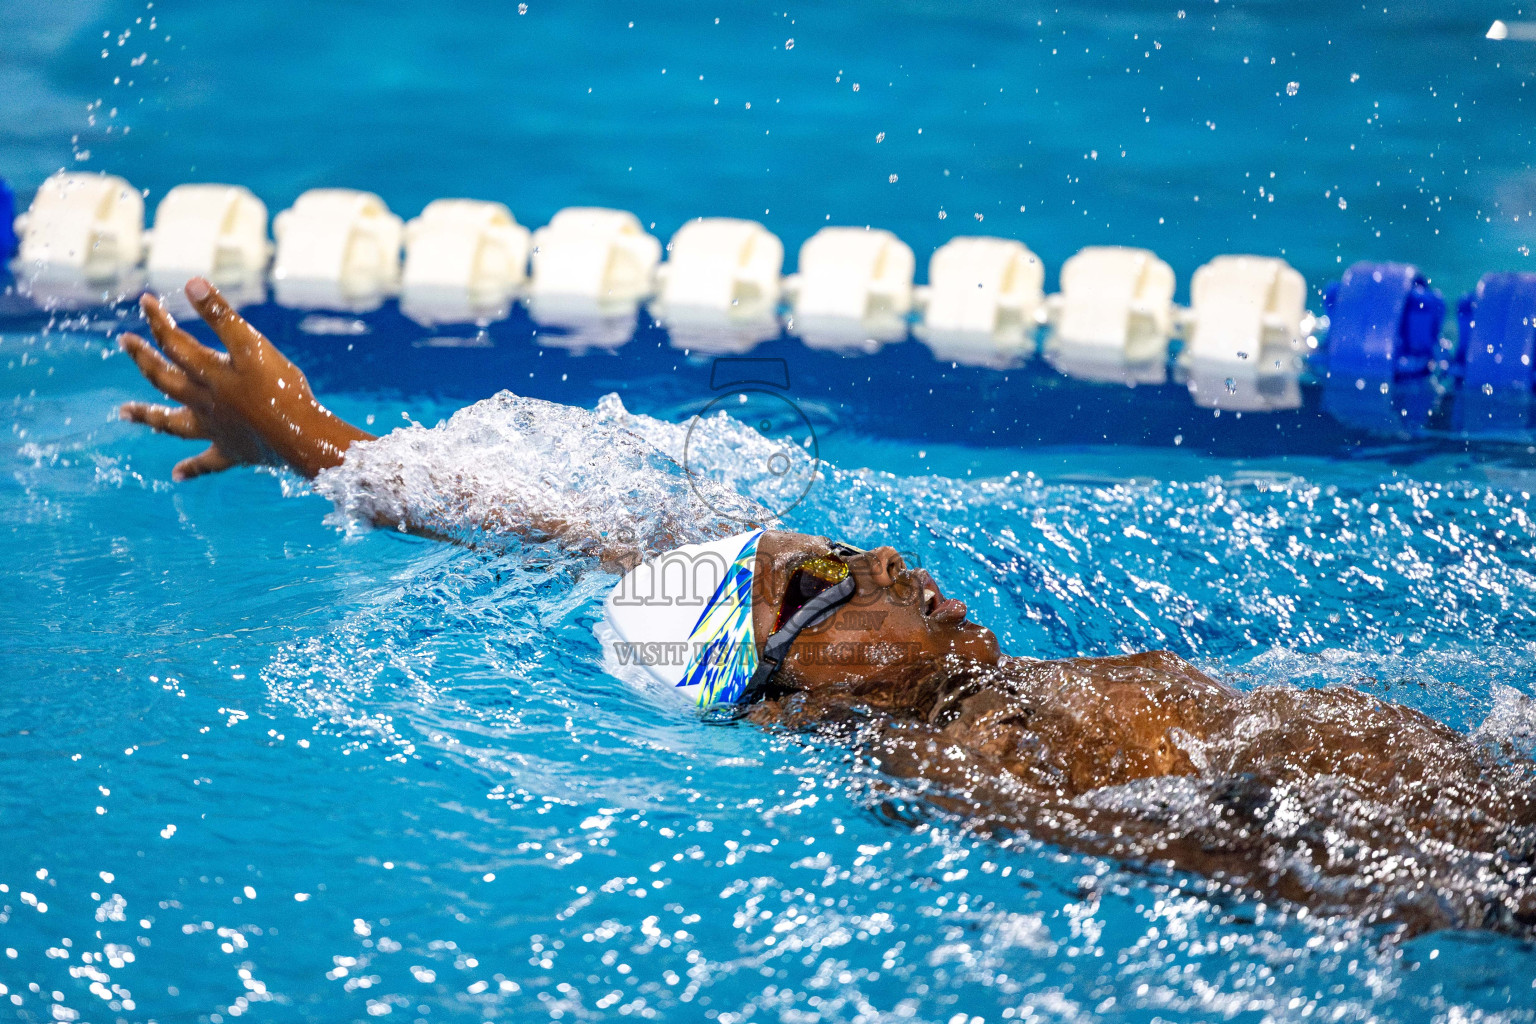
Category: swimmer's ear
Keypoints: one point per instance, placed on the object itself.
(239, 337)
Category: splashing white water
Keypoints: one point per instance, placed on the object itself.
(510, 464)
(1511, 725)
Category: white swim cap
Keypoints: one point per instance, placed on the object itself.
(684, 620)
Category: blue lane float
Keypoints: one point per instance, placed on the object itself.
(1497, 329)
(7, 221)
(1492, 365)
(1383, 333)
(1383, 322)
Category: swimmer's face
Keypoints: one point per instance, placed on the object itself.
(897, 615)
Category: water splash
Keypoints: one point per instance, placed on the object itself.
(419, 717)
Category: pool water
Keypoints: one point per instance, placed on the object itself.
(445, 809)
(1322, 132)
(255, 765)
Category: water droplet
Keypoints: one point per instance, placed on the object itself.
(1342, 204)
(1487, 389)
(1291, 88)
(789, 44)
(880, 137)
(1231, 386)
(893, 181)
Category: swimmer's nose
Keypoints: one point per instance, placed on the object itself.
(884, 564)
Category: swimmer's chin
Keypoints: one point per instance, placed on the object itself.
(978, 642)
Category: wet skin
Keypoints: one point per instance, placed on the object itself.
(1327, 797)
(251, 403)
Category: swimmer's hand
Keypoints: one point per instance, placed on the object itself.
(250, 401)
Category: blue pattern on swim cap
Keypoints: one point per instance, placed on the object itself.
(723, 640)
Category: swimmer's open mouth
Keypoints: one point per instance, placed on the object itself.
(934, 604)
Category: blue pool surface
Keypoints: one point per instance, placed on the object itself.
(1172, 126)
(254, 766)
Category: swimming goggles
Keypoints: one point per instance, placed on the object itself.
(817, 588)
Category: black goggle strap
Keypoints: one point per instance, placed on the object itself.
(776, 649)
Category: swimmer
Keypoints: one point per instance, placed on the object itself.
(1329, 797)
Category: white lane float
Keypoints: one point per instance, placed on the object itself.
(1115, 310)
(983, 301)
(853, 288)
(214, 231)
(594, 253)
(1243, 335)
(591, 269)
(1246, 312)
(336, 249)
(464, 261)
(81, 239)
(719, 289)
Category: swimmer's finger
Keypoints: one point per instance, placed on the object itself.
(159, 371)
(210, 460)
(162, 419)
(185, 351)
(238, 336)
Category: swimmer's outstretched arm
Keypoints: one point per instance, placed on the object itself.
(251, 403)
(255, 407)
